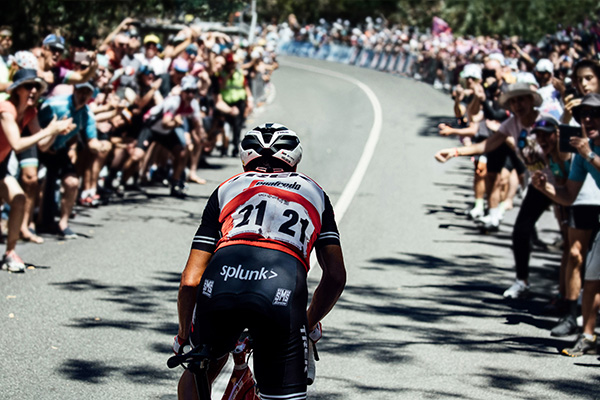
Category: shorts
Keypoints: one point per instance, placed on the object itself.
(168, 140)
(58, 164)
(28, 158)
(584, 217)
(265, 291)
(592, 262)
(4, 167)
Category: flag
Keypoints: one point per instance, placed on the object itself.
(440, 26)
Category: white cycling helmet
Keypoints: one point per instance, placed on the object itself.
(270, 147)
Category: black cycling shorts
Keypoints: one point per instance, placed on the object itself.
(264, 291)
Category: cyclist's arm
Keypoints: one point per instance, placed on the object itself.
(190, 279)
(331, 285)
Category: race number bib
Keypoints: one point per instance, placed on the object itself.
(274, 218)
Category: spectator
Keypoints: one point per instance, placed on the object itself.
(585, 162)
(61, 155)
(234, 100)
(17, 113)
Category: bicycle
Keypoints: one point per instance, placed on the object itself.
(241, 385)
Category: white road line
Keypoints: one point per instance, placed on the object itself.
(361, 168)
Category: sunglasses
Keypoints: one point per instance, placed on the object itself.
(2, 37)
(31, 85)
(590, 113)
(522, 142)
(56, 50)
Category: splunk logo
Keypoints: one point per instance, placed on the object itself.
(245, 274)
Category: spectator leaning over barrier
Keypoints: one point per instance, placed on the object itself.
(586, 161)
(60, 157)
(515, 131)
(53, 49)
(150, 56)
(167, 124)
(16, 114)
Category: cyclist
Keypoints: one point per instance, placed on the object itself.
(249, 260)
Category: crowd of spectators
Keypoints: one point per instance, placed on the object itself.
(516, 106)
(82, 122)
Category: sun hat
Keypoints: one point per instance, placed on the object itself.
(520, 89)
(24, 76)
(25, 60)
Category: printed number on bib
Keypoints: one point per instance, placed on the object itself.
(274, 218)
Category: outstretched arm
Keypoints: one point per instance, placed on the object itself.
(331, 285)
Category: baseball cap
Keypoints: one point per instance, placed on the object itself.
(55, 41)
(192, 49)
(180, 65)
(547, 125)
(544, 65)
(189, 83)
(85, 85)
(589, 100)
(471, 71)
(151, 38)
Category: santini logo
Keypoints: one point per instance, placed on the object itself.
(280, 184)
(245, 274)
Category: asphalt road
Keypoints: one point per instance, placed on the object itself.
(422, 315)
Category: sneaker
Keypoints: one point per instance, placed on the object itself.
(566, 326)
(12, 262)
(178, 190)
(476, 213)
(489, 224)
(89, 202)
(582, 346)
(67, 233)
(518, 290)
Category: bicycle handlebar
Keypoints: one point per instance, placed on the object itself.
(198, 353)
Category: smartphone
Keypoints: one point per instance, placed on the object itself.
(80, 56)
(566, 132)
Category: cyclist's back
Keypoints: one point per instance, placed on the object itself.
(249, 261)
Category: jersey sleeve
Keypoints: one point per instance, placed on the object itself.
(209, 231)
(329, 232)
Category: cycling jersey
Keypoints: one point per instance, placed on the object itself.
(286, 211)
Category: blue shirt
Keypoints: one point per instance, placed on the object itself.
(581, 167)
(62, 106)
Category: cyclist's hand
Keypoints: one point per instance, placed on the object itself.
(317, 333)
(179, 344)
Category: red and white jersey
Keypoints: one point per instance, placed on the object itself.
(283, 211)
